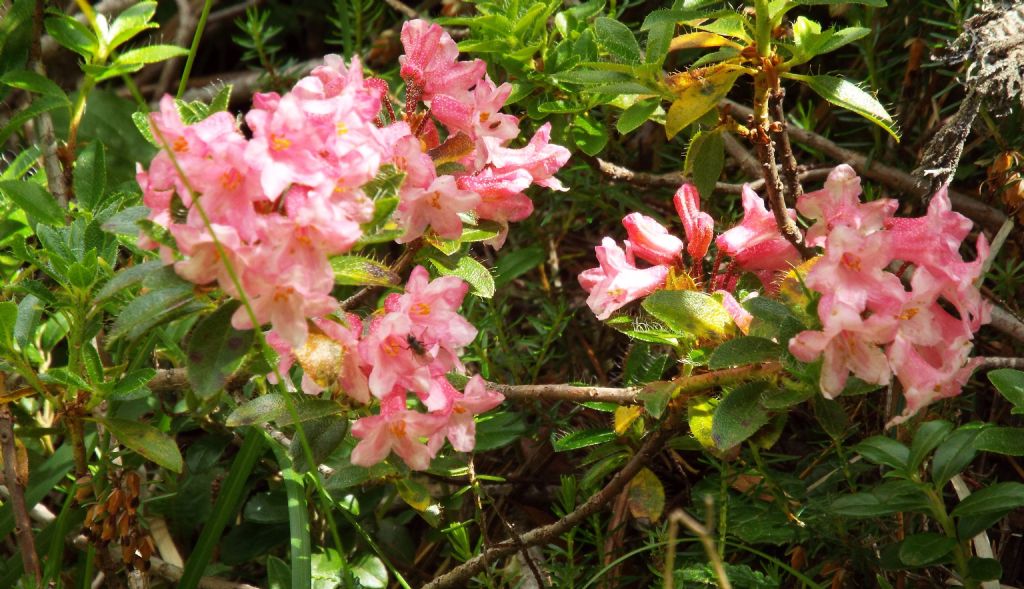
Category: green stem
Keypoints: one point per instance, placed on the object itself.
(194, 48)
(78, 111)
(938, 507)
(763, 28)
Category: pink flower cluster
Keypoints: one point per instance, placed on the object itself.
(874, 327)
(284, 200)
(411, 346)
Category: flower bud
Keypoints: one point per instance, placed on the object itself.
(698, 226)
(650, 240)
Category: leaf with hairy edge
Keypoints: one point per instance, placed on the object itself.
(581, 439)
(849, 96)
(274, 407)
(130, 23)
(214, 351)
(744, 350)
(33, 82)
(617, 39)
(701, 40)
(739, 415)
(72, 34)
(353, 270)
(32, 198)
(636, 115)
(147, 440)
(8, 318)
(688, 312)
(697, 92)
(468, 269)
(39, 106)
(150, 54)
(90, 178)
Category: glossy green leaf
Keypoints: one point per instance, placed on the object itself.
(516, 263)
(998, 498)
(889, 497)
(954, 454)
(851, 97)
(40, 105)
(352, 270)
(589, 135)
(688, 312)
(130, 23)
(872, 3)
(744, 350)
(636, 115)
(884, 451)
(273, 407)
(984, 569)
(465, 267)
(832, 417)
(32, 82)
(927, 437)
(30, 310)
(581, 439)
(370, 572)
(1010, 384)
(739, 415)
(72, 35)
(127, 278)
(133, 385)
(215, 349)
(37, 203)
(1001, 440)
(147, 440)
(924, 549)
(8, 317)
(90, 176)
(324, 435)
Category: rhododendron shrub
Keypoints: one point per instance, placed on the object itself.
(893, 296)
(261, 214)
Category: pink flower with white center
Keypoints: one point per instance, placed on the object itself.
(540, 158)
(395, 429)
(838, 203)
(431, 64)
(437, 205)
(756, 244)
(618, 282)
(852, 271)
(461, 427)
(849, 344)
(698, 225)
(650, 240)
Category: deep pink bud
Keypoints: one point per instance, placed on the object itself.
(650, 240)
(698, 225)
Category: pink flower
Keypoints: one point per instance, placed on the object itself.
(650, 240)
(438, 206)
(390, 349)
(853, 271)
(756, 244)
(740, 316)
(540, 158)
(430, 62)
(461, 427)
(433, 306)
(838, 203)
(479, 117)
(698, 225)
(618, 282)
(398, 429)
(849, 344)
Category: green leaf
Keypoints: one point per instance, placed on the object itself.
(832, 417)
(497, 429)
(32, 198)
(352, 270)
(617, 39)
(224, 509)
(72, 34)
(889, 497)
(279, 574)
(130, 23)
(222, 99)
(659, 38)
(688, 312)
(133, 385)
(370, 572)
(148, 441)
(643, 364)
(872, 3)
(468, 269)
(127, 278)
(90, 179)
(1010, 384)
(924, 549)
(274, 407)
(705, 158)
(581, 439)
(984, 569)
(655, 397)
(515, 263)
(1001, 440)
(150, 54)
(884, 451)
(215, 349)
(30, 309)
(172, 297)
(954, 454)
(849, 96)
(590, 136)
(636, 115)
(8, 317)
(744, 350)
(926, 438)
(999, 498)
(739, 415)
(38, 106)
(696, 93)
(32, 82)
(324, 435)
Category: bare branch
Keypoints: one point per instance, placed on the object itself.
(16, 487)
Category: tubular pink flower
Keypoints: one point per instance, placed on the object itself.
(395, 429)
(698, 225)
(756, 244)
(431, 62)
(461, 427)
(540, 158)
(438, 206)
(838, 203)
(651, 241)
(617, 282)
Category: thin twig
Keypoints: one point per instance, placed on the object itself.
(16, 487)
(186, 23)
(400, 6)
(458, 576)
(784, 148)
(745, 159)
(992, 362)
(887, 175)
(704, 534)
(47, 138)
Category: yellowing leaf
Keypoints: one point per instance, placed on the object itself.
(698, 91)
(624, 417)
(413, 493)
(699, 413)
(645, 496)
(699, 40)
(791, 288)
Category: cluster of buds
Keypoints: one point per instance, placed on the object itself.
(114, 518)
